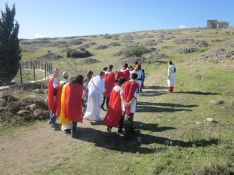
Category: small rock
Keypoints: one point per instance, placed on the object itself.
(13, 107)
(8, 97)
(23, 113)
(39, 91)
(198, 123)
(3, 103)
(211, 120)
(31, 107)
(2, 109)
(37, 112)
(216, 102)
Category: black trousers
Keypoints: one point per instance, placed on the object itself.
(74, 126)
(105, 99)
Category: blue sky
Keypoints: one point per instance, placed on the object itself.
(60, 18)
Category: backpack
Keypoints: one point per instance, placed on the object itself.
(174, 69)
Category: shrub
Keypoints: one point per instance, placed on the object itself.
(136, 51)
(72, 53)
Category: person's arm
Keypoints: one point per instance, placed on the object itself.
(55, 83)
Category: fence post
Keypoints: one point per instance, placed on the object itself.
(31, 65)
(34, 73)
(48, 68)
(45, 69)
(21, 77)
(51, 68)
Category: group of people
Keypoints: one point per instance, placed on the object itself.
(79, 98)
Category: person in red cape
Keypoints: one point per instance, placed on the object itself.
(119, 74)
(52, 93)
(126, 72)
(74, 102)
(114, 112)
(129, 96)
(59, 92)
(109, 81)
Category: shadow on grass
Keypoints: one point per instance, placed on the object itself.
(152, 127)
(138, 144)
(155, 87)
(162, 107)
(197, 93)
(153, 91)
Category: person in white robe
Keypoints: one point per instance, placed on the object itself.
(139, 73)
(171, 77)
(96, 88)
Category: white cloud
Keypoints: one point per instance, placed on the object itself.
(183, 27)
(38, 35)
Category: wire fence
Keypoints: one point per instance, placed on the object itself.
(31, 69)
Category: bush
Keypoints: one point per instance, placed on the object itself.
(135, 51)
(72, 53)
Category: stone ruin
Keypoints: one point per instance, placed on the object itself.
(215, 24)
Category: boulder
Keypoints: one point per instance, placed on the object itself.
(13, 107)
(31, 107)
(40, 114)
(37, 112)
(8, 97)
(2, 109)
(211, 120)
(39, 91)
(3, 103)
(41, 104)
(23, 113)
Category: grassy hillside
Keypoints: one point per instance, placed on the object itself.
(173, 135)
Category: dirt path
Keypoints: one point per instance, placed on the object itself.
(29, 150)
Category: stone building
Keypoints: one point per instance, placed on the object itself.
(215, 24)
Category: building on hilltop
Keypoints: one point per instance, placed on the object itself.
(215, 24)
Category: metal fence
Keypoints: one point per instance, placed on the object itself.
(44, 66)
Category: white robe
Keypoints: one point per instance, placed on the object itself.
(171, 75)
(96, 89)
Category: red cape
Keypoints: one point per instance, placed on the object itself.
(109, 81)
(119, 75)
(129, 88)
(126, 74)
(114, 112)
(50, 94)
(73, 102)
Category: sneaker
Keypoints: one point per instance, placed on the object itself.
(120, 131)
(73, 134)
(67, 131)
(108, 129)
